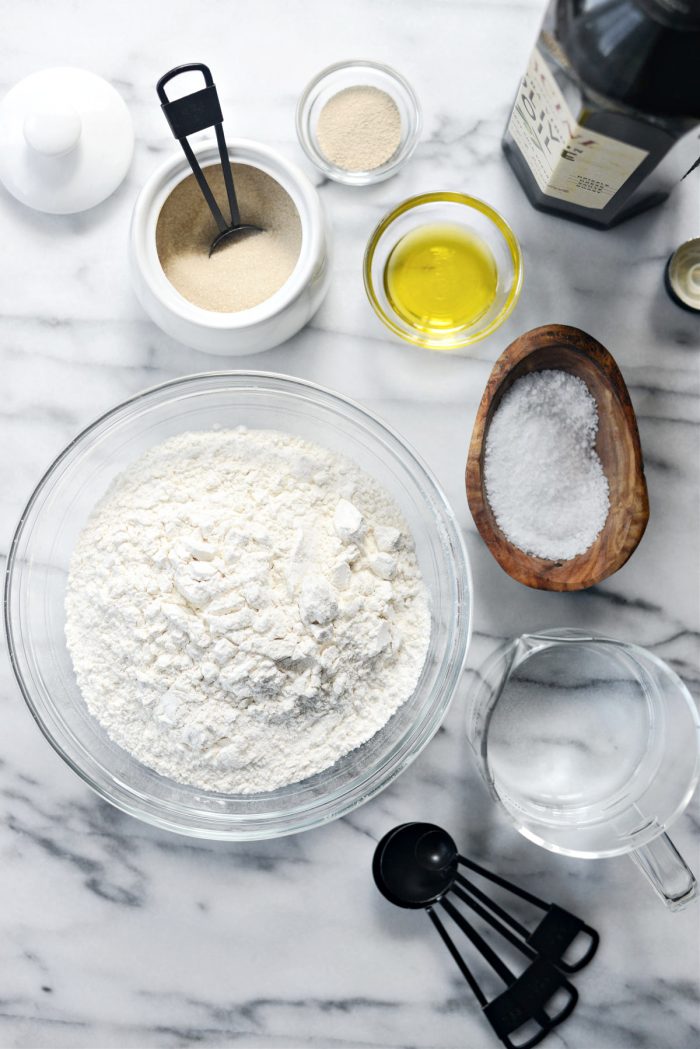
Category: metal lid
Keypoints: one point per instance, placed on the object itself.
(682, 275)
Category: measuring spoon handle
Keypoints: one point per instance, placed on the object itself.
(194, 112)
(197, 112)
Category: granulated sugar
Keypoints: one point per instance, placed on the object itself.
(544, 480)
(359, 128)
(248, 269)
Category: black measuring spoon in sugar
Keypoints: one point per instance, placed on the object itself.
(416, 865)
(197, 112)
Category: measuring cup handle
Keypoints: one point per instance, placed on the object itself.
(670, 876)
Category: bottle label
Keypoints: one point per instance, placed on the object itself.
(568, 161)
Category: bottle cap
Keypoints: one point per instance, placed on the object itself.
(682, 277)
(66, 140)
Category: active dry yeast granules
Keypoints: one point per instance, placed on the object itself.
(359, 128)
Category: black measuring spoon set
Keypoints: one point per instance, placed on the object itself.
(418, 866)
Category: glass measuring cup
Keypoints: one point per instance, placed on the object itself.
(592, 747)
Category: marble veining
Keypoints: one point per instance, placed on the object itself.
(118, 935)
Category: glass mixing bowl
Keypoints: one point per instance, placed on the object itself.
(474, 217)
(55, 515)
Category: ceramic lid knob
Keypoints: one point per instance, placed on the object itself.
(66, 140)
(53, 130)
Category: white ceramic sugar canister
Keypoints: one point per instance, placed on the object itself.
(270, 322)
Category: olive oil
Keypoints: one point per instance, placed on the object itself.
(440, 278)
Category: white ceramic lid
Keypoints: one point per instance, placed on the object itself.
(66, 140)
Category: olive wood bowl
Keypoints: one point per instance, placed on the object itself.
(617, 444)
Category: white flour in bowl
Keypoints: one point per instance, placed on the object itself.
(244, 608)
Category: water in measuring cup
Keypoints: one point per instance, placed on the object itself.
(572, 737)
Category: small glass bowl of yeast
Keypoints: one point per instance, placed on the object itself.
(353, 76)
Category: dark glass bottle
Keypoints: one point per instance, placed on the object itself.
(607, 117)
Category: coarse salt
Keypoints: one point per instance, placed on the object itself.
(544, 480)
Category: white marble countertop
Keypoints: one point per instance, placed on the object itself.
(115, 934)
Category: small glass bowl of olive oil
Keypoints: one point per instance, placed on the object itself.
(443, 270)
